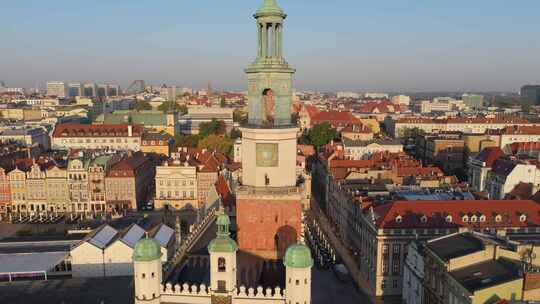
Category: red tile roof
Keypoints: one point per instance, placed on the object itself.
(224, 192)
(490, 155)
(106, 130)
(524, 147)
(521, 191)
(127, 167)
(419, 171)
(379, 107)
(335, 118)
(412, 213)
(515, 130)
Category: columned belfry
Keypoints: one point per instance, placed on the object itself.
(269, 201)
(270, 71)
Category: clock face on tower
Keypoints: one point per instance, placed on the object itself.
(267, 155)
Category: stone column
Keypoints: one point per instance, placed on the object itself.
(274, 40)
(280, 41)
(265, 40)
(259, 35)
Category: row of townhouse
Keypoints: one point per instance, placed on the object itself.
(112, 183)
(475, 125)
(377, 226)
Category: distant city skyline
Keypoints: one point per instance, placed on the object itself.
(354, 46)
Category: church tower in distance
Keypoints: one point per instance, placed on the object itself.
(269, 200)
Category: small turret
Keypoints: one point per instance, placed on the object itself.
(147, 271)
(223, 258)
(298, 263)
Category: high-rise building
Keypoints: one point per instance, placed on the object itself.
(113, 90)
(74, 89)
(531, 93)
(57, 88)
(269, 201)
(89, 90)
(101, 90)
(473, 100)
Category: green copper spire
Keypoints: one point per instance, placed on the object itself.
(269, 8)
(223, 242)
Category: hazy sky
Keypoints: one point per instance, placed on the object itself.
(335, 45)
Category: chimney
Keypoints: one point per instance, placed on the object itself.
(130, 130)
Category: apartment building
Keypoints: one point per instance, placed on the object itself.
(176, 185)
(91, 137)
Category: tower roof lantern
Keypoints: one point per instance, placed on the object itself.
(223, 242)
(270, 8)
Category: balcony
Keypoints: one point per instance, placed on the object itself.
(247, 191)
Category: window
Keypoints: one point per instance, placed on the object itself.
(383, 284)
(143, 276)
(395, 284)
(222, 286)
(399, 219)
(448, 219)
(465, 218)
(482, 218)
(153, 275)
(423, 219)
(523, 218)
(474, 218)
(221, 264)
(498, 218)
(297, 282)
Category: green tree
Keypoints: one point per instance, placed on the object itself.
(235, 133)
(216, 142)
(321, 134)
(181, 140)
(142, 105)
(409, 135)
(167, 106)
(208, 128)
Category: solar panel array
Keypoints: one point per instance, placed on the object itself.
(103, 237)
(134, 234)
(163, 235)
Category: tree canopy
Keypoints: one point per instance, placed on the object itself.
(319, 135)
(172, 105)
(212, 127)
(216, 142)
(181, 140)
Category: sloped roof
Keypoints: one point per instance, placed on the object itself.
(101, 130)
(435, 213)
(490, 155)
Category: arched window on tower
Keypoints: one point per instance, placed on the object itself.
(221, 265)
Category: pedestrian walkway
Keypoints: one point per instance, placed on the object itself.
(344, 253)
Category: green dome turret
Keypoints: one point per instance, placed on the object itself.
(147, 249)
(223, 241)
(298, 256)
(269, 8)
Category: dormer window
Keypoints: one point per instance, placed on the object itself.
(522, 218)
(465, 218)
(482, 218)
(498, 218)
(474, 218)
(399, 219)
(448, 219)
(423, 219)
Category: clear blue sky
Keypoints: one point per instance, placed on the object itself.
(341, 44)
